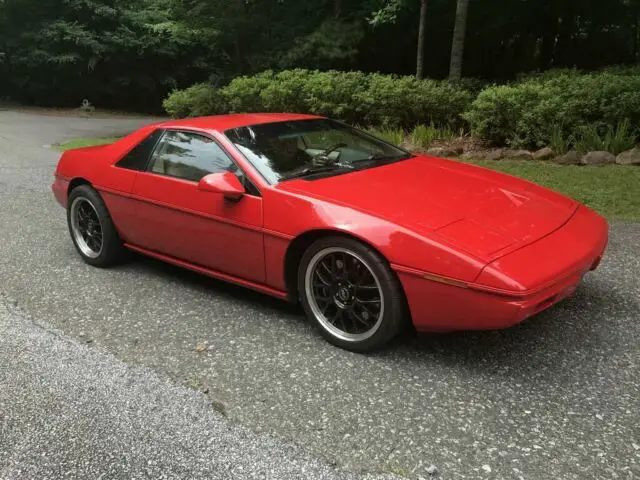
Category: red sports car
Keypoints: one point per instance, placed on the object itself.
(367, 236)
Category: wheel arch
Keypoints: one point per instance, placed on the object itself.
(302, 242)
(76, 182)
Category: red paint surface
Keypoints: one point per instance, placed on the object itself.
(516, 247)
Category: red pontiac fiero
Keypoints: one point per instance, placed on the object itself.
(368, 237)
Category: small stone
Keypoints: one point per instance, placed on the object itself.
(442, 152)
(219, 407)
(572, 157)
(630, 157)
(598, 158)
(201, 347)
(486, 468)
(497, 154)
(432, 470)
(471, 156)
(519, 154)
(544, 154)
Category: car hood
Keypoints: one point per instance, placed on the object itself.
(482, 212)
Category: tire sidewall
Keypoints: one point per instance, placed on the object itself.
(394, 312)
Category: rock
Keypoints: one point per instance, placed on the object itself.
(518, 154)
(432, 470)
(497, 154)
(570, 158)
(598, 158)
(544, 154)
(630, 157)
(471, 156)
(442, 152)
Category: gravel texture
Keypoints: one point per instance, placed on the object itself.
(557, 397)
(68, 411)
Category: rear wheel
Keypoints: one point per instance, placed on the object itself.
(92, 229)
(348, 290)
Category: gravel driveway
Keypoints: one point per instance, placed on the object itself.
(557, 397)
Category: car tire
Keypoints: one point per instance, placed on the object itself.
(350, 293)
(92, 230)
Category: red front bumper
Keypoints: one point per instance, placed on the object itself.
(550, 269)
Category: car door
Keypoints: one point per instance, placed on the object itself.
(176, 219)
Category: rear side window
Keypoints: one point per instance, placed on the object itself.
(138, 158)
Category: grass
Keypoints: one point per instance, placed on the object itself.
(612, 190)
(592, 138)
(83, 142)
(395, 136)
(423, 136)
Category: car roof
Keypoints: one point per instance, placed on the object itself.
(226, 122)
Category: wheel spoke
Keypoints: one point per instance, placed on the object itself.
(322, 279)
(366, 287)
(372, 301)
(362, 321)
(86, 227)
(342, 322)
(344, 294)
(366, 309)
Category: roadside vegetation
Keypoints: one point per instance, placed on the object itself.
(489, 81)
(565, 110)
(83, 142)
(610, 190)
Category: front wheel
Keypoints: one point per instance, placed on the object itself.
(348, 290)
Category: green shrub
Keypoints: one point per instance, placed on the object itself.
(244, 94)
(332, 94)
(611, 139)
(355, 97)
(527, 114)
(200, 99)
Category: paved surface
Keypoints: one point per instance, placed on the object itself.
(73, 412)
(557, 397)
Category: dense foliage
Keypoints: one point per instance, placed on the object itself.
(562, 108)
(131, 53)
(559, 105)
(355, 97)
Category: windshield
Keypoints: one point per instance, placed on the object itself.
(310, 149)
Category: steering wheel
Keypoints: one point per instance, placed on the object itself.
(322, 158)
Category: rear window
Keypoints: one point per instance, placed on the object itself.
(138, 158)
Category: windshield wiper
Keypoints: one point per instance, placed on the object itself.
(381, 158)
(316, 170)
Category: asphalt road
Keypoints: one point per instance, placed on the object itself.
(557, 397)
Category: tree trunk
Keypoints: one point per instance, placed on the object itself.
(459, 32)
(637, 39)
(421, 34)
(550, 24)
(238, 35)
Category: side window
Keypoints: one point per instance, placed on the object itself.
(190, 156)
(138, 158)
